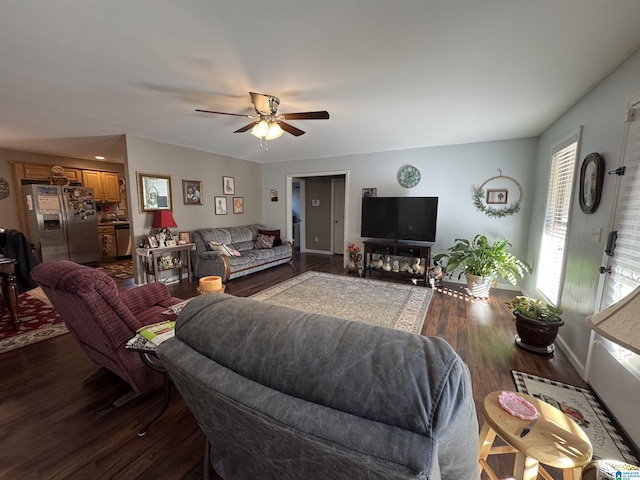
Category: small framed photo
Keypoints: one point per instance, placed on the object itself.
(370, 192)
(184, 238)
(274, 194)
(238, 204)
(192, 192)
(221, 205)
(228, 186)
(591, 178)
(170, 243)
(497, 196)
(152, 241)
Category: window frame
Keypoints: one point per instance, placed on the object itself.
(541, 279)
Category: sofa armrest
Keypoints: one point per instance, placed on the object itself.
(144, 297)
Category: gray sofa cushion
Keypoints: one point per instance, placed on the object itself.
(394, 396)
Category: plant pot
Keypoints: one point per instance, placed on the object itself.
(535, 335)
(478, 286)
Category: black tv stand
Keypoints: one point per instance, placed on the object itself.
(395, 249)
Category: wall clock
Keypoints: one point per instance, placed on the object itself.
(408, 176)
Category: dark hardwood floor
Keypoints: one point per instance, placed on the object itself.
(56, 426)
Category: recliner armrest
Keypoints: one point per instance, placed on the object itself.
(145, 296)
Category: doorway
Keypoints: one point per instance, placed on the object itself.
(315, 202)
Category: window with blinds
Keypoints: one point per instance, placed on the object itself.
(556, 219)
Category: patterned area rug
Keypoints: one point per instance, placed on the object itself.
(122, 270)
(393, 305)
(581, 406)
(38, 321)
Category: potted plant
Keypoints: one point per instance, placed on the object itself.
(482, 262)
(537, 323)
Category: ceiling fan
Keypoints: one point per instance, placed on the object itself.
(267, 123)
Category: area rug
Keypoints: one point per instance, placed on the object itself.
(581, 406)
(38, 321)
(122, 270)
(393, 305)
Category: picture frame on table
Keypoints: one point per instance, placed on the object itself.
(171, 243)
(184, 238)
(498, 197)
(238, 204)
(591, 178)
(192, 192)
(154, 192)
(152, 241)
(228, 186)
(221, 205)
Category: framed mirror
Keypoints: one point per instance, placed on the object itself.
(154, 192)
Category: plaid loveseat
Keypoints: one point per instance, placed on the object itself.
(207, 261)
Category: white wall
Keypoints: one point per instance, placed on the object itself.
(448, 172)
(187, 164)
(601, 113)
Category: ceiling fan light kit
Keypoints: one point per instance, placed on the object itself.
(267, 125)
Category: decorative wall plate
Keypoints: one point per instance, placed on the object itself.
(408, 176)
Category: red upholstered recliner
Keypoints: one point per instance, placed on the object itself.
(102, 319)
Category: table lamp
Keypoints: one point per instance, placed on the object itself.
(164, 220)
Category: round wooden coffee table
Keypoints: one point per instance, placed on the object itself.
(554, 440)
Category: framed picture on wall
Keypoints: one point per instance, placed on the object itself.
(369, 192)
(238, 204)
(228, 185)
(497, 196)
(192, 192)
(221, 205)
(154, 192)
(591, 178)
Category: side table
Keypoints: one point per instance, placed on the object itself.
(9, 287)
(147, 352)
(554, 440)
(151, 256)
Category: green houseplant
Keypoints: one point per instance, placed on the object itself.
(537, 323)
(482, 262)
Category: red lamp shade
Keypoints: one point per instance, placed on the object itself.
(164, 219)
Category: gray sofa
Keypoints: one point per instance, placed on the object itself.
(284, 394)
(206, 261)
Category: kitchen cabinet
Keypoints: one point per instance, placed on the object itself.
(107, 241)
(106, 187)
(34, 171)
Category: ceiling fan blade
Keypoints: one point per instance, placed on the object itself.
(224, 113)
(291, 129)
(321, 115)
(246, 128)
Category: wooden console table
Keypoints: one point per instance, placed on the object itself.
(394, 249)
(151, 256)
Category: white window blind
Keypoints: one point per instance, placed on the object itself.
(556, 219)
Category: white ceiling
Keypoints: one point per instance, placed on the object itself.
(75, 74)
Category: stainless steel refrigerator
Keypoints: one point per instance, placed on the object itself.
(63, 222)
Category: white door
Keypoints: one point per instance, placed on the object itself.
(622, 273)
(338, 191)
(610, 368)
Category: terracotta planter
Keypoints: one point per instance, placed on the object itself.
(478, 286)
(535, 335)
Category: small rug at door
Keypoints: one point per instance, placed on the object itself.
(122, 270)
(38, 321)
(581, 406)
(392, 305)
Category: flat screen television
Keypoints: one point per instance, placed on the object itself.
(399, 218)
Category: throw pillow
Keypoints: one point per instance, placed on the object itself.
(233, 251)
(264, 241)
(220, 247)
(275, 233)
